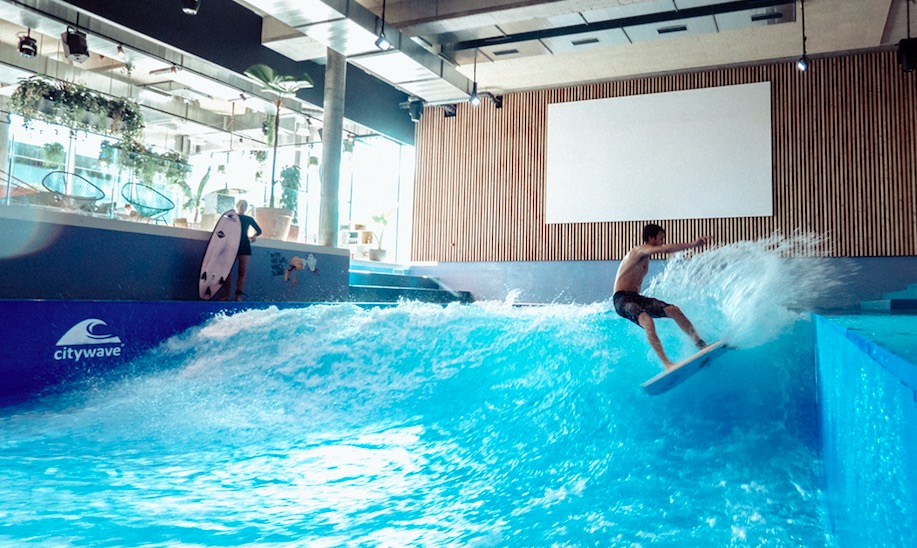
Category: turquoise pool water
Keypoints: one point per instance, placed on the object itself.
(418, 425)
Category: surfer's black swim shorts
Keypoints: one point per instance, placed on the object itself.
(630, 304)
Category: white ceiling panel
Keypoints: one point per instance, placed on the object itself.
(671, 29)
(579, 42)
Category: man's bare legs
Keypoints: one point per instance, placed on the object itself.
(649, 326)
(676, 314)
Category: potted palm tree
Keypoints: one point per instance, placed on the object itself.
(275, 222)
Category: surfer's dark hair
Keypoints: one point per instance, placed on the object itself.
(651, 231)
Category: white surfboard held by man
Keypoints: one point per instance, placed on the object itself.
(642, 310)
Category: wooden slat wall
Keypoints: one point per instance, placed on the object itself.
(844, 161)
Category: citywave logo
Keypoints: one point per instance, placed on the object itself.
(91, 338)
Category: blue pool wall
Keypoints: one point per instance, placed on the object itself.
(565, 282)
(63, 256)
(868, 416)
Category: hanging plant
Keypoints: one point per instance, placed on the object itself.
(144, 163)
(77, 107)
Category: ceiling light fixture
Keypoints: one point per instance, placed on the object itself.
(803, 62)
(474, 98)
(75, 46)
(416, 110)
(907, 48)
(28, 47)
(382, 42)
(190, 6)
(121, 53)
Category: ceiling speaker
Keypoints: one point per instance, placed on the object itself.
(75, 45)
(907, 54)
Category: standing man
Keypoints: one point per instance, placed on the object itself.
(641, 310)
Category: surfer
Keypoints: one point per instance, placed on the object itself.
(641, 310)
(245, 245)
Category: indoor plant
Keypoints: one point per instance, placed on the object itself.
(77, 107)
(382, 222)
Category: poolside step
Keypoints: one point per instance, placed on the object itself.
(909, 293)
(374, 285)
(392, 294)
(905, 299)
(365, 277)
(890, 304)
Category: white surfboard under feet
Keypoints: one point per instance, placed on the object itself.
(671, 378)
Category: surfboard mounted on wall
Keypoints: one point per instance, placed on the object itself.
(220, 254)
(671, 378)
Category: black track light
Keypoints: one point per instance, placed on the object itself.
(28, 47)
(803, 62)
(382, 42)
(415, 110)
(474, 98)
(75, 46)
(190, 6)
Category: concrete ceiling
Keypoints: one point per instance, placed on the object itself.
(515, 45)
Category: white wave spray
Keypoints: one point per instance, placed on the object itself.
(750, 292)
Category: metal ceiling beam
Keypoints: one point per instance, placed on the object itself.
(688, 13)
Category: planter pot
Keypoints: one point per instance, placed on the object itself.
(47, 107)
(274, 222)
(376, 254)
(293, 236)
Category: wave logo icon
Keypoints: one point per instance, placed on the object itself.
(91, 332)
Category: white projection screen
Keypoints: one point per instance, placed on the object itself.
(694, 154)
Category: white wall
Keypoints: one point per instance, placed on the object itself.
(693, 154)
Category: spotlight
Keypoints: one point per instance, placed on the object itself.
(803, 62)
(382, 42)
(474, 98)
(121, 53)
(190, 6)
(75, 47)
(28, 47)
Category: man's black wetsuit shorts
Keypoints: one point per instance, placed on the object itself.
(630, 304)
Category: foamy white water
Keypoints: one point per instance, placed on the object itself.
(421, 425)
